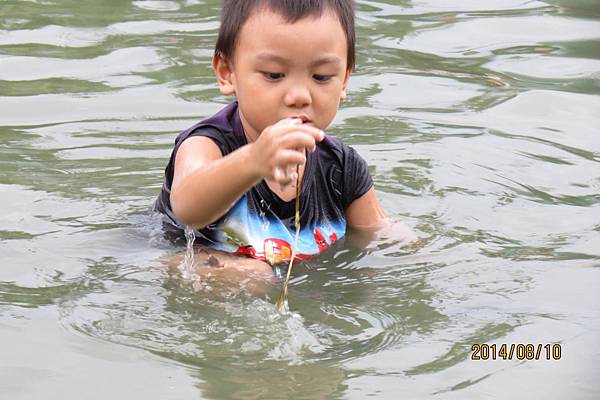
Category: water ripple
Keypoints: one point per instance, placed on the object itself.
(479, 123)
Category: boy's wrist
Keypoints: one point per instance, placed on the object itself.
(252, 161)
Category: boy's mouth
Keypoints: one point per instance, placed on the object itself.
(304, 118)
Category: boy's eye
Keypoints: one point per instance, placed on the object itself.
(322, 78)
(273, 76)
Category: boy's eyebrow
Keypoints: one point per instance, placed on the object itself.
(271, 57)
(326, 60)
(282, 60)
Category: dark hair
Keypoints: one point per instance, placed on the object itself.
(235, 12)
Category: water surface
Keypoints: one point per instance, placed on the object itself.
(480, 123)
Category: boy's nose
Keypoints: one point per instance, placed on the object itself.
(297, 96)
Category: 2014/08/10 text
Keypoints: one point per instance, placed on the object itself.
(518, 351)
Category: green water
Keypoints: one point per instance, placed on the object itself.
(481, 123)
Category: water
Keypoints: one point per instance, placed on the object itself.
(480, 123)
(187, 266)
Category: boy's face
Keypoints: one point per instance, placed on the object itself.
(282, 70)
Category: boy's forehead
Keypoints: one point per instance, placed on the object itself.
(264, 24)
(265, 9)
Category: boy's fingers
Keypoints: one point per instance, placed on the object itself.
(297, 140)
(278, 174)
(281, 177)
(286, 158)
(311, 130)
(316, 133)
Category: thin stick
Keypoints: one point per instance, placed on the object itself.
(282, 302)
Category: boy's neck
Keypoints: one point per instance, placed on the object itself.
(251, 136)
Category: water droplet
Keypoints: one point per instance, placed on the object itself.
(188, 261)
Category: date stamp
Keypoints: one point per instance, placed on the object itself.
(516, 351)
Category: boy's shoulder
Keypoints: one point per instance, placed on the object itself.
(220, 121)
(221, 127)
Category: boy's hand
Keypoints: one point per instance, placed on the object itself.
(280, 148)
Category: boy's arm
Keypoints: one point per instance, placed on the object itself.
(206, 184)
(366, 215)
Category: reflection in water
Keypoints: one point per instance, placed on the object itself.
(274, 381)
(227, 326)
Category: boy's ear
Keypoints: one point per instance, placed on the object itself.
(344, 95)
(224, 74)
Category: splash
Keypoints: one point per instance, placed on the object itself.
(187, 267)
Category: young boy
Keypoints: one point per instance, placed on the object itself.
(233, 175)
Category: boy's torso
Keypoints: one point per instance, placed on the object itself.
(261, 223)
